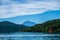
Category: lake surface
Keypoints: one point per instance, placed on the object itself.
(29, 36)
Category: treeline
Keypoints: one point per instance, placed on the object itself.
(51, 26)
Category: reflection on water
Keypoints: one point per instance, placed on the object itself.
(31, 38)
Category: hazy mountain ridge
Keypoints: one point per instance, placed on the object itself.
(29, 23)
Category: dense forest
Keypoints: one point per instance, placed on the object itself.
(51, 26)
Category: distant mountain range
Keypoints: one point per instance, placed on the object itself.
(52, 26)
(29, 23)
(6, 26)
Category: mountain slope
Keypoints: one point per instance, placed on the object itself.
(29, 23)
(52, 26)
(8, 27)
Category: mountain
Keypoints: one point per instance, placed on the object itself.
(51, 26)
(29, 23)
(9, 27)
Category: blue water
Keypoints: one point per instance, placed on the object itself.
(29, 36)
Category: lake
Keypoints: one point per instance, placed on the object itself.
(29, 36)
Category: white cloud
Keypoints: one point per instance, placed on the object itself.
(12, 9)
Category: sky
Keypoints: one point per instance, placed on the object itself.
(14, 8)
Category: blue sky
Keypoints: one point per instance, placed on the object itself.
(15, 10)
